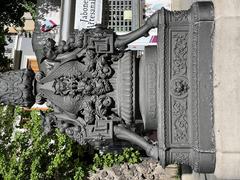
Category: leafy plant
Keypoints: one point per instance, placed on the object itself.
(12, 11)
(31, 155)
(128, 155)
(25, 153)
(4, 61)
(30, 6)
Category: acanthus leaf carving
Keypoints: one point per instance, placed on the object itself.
(180, 126)
(180, 50)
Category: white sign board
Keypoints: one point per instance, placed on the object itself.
(88, 13)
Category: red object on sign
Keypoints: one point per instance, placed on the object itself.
(48, 25)
(154, 39)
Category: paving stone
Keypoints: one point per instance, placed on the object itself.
(149, 169)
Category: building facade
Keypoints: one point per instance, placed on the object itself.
(125, 15)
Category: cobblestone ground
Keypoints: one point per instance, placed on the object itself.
(147, 170)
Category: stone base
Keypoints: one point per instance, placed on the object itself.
(196, 176)
(226, 67)
(149, 169)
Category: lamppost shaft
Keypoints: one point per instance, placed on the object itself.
(67, 18)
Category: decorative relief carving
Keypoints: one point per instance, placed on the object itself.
(79, 86)
(102, 106)
(125, 90)
(16, 88)
(99, 40)
(80, 76)
(180, 157)
(194, 86)
(179, 16)
(73, 128)
(180, 49)
(179, 117)
(179, 87)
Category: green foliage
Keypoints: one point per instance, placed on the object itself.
(6, 130)
(4, 61)
(79, 174)
(128, 155)
(30, 6)
(24, 114)
(25, 153)
(6, 123)
(31, 155)
(12, 11)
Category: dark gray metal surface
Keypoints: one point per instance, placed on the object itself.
(16, 88)
(148, 88)
(90, 81)
(185, 114)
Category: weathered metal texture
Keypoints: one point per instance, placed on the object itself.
(91, 83)
(77, 85)
(123, 83)
(185, 87)
(148, 88)
(16, 88)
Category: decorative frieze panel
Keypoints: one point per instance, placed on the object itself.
(185, 116)
(179, 16)
(180, 123)
(180, 157)
(179, 87)
(179, 53)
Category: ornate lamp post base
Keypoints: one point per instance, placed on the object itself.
(92, 83)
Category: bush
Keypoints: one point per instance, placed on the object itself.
(31, 155)
(128, 155)
(25, 153)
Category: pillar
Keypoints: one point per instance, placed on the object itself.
(226, 65)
